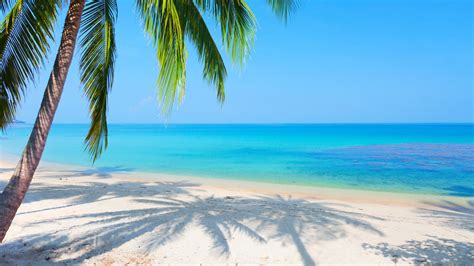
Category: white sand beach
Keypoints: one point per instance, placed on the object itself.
(112, 216)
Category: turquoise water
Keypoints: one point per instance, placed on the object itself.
(418, 158)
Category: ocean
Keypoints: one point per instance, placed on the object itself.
(410, 158)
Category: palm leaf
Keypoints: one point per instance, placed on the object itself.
(196, 30)
(168, 21)
(25, 33)
(5, 5)
(237, 24)
(97, 67)
(163, 25)
(283, 8)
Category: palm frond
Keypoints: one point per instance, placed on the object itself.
(167, 22)
(5, 5)
(238, 25)
(283, 8)
(196, 30)
(25, 33)
(163, 25)
(97, 67)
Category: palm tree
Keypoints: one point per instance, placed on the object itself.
(27, 29)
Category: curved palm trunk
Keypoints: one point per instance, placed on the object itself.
(15, 191)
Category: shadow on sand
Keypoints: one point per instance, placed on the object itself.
(452, 214)
(104, 172)
(435, 250)
(164, 217)
(6, 170)
(100, 191)
(4, 182)
(430, 251)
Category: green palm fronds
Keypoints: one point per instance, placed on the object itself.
(169, 22)
(237, 24)
(162, 23)
(196, 30)
(283, 8)
(5, 5)
(97, 67)
(25, 33)
(27, 29)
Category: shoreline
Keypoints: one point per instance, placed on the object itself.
(260, 187)
(75, 215)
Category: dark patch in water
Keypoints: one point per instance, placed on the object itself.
(428, 157)
(459, 191)
(432, 168)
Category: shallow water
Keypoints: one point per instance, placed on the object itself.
(415, 158)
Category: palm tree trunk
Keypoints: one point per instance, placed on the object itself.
(15, 190)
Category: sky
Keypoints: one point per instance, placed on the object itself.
(335, 61)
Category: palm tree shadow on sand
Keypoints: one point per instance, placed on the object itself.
(6, 170)
(3, 182)
(102, 172)
(166, 218)
(433, 250)
(451, 214)
(101, 191)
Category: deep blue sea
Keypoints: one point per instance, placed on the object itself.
(413, 158)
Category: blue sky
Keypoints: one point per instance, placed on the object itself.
(336, 61)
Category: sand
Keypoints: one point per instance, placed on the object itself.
(77, 215)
